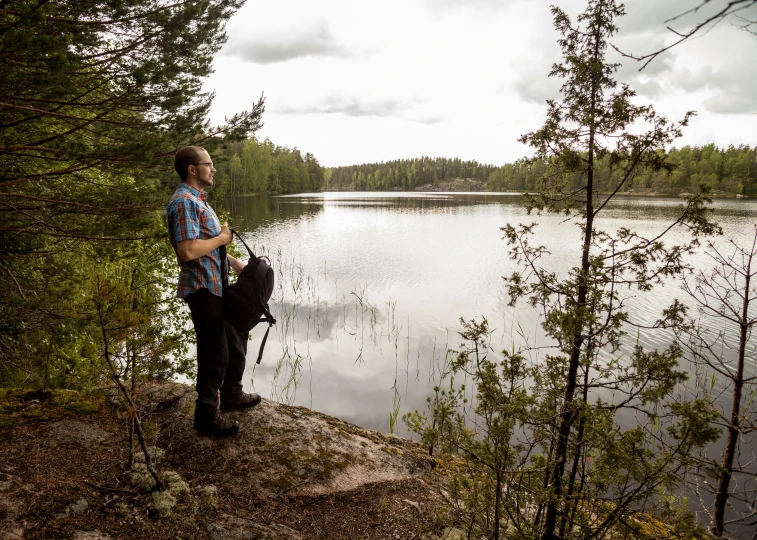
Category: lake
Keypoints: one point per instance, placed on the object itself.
(371, 288)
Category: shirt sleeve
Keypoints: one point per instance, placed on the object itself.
(184, 220)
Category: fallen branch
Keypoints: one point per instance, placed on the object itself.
(291, 488)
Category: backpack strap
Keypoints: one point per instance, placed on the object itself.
(260, 273)
(262, 344)
(271, 321)
(224, 268)
(243, 243)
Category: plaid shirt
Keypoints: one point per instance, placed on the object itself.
(190, 217)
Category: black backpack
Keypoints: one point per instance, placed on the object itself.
(245, 302)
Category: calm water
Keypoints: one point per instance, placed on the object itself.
(371, 287)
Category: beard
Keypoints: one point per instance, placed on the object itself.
(205, 181)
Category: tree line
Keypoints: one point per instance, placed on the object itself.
(731, 171)
(251, 166)
(404, 174)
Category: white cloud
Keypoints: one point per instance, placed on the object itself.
(732, 86)
(315, 39)
(469, 4)
(355, 106)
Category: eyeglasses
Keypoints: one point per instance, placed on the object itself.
(203, 163)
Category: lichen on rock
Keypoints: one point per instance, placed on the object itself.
(162, 503)
(175, 484)
(209, 495)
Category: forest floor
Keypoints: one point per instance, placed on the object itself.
(289, 473)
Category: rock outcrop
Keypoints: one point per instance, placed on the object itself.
(63, 467)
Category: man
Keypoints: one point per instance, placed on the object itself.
(196, 235)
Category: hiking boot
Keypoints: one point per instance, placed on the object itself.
(243, 400)
(215, 424)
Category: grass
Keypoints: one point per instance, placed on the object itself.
(395, 413)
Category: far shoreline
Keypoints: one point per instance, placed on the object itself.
(473, 187)
(468, 185)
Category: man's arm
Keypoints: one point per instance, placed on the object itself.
(188, 250)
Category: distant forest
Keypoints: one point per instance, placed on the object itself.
(262, 167)
(405, 174)
(730, 171)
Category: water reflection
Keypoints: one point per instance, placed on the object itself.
(251, 212)
(370, 286)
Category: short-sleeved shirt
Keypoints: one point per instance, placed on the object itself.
(191, 217)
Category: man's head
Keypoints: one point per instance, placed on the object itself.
(194, 166)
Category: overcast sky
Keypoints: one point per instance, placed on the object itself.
(358, 82)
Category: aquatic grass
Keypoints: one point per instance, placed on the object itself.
(305, 302)
(407, 357)
(395, 412)
(287, 378)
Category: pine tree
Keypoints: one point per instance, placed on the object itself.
(95, 97)
(584, 311)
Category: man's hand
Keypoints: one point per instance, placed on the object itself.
(226, 236)
(236, 264)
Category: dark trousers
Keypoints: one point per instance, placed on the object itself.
(221, 351)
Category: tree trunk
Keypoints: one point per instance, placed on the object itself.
(721, 494)
(568, 416)
(131, 420)
(540, 508)
(497, 497)
(568, 519)
(137, 424)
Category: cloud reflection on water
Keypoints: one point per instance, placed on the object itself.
(434, 258)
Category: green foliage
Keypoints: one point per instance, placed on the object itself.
(404, 174)
(19, 405)
(491, 461)
(95, 97)
(254, 167)
(730, 171)
(436, 431)
(548, 457)
(584, 310)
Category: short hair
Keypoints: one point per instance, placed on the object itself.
(189, 155)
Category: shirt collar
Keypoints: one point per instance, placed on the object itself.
(194, 191)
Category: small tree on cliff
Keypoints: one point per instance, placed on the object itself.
(584, 309)
(554, 462)
(726, 296)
